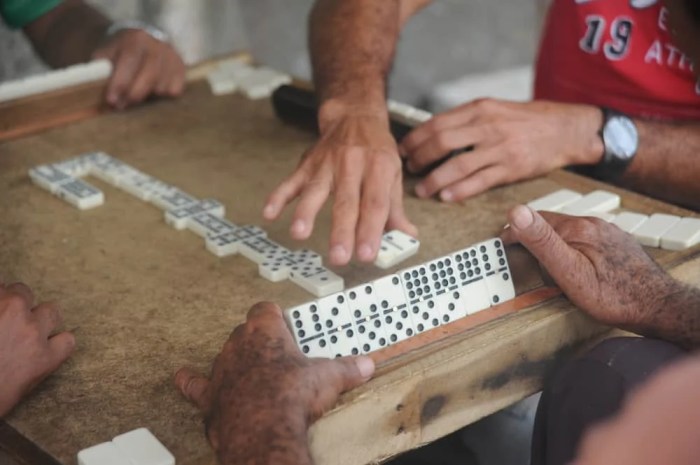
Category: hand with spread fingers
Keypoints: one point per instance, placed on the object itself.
(356, 161)
(509, 142)
(263, 393)
(608, 275)
(30, 350)
(143, 66)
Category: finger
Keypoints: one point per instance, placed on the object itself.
(459, 116)
(48, 316)
(312, 198)
(264, 310)
(439, 144)
(61, 346)
(455, 169)
(194, 387)
(397, 214)
(539, 237)
(126, 66)
(341, 375)
(479, 182)
(178, 81)
(346, 211)
(374, 213)
(283, 194)
(172, 78)
(146, 78)
(22, 291)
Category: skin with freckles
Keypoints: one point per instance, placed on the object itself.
(263, 393)
(74, 32)
(30, 347)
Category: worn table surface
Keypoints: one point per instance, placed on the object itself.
(144, 299)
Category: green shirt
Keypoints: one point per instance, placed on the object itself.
(19, 13)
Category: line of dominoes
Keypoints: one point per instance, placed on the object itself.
(668, 232)
(206, 218)
(236, 75)
(396, 307)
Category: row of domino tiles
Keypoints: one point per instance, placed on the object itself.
(138, 447)
(255, 83)
(206, 219)
(669, 232)
(396, 307)
(57, 79)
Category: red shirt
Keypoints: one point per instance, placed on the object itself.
(617, 54)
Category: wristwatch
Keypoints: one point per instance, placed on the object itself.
(149, 29)
(621, 142)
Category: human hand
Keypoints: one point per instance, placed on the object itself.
(511, 142)
(658, 423)
(263, 392)
(356, 160)
(143, 66)
(600, 268)
(28, 350)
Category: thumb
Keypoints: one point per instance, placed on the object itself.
(194, 387)
(338, 376)
(539, 237)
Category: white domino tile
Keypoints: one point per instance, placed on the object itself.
(179, 218)
(221, 82)
(685, 234)
(317, 280)
(425, 315)
(172, 198)
(80, 194)
(143, 448)
(49, 177)
(596, 202)
(207, 224)
(471, 279)
(76, 167)
(555, 201)
(279, 263)
(103, 454)
(258, 248)
(364, 308)
(629, 221)
(605, 216)
(229, 243)
(307, 329)
(390, 293)
(338, 325)
(499, 281)
(652, 230)
(398, 324)
(396, 246)
(262, 82)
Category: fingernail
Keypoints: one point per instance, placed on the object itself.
(269, 211)
(365, 252)
(420, 190)
(522, 217)
(365, 366)
(446, 196)
(339, 254)
(298, 227)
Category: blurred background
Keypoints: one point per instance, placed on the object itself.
(443, 55)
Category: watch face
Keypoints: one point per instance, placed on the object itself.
(621, 137)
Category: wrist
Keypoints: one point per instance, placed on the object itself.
(591, 146)
(335, 109)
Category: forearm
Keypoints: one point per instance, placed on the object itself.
(667, 165)
(352, 47)
(675, 318)
(68, 34)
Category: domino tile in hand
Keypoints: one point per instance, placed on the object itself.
(180, 217)
(106, 453)
(595, 202)
(229, 243)
(499, 281)
(171, 198)
(396, 246)
(80, 194)
(305, 324)
(49, 177)
(470, 277)
(364, 308)
(685, 234)
(338, 325)
(205, 224)
(629, 221)
(652, 230)
(143, 448)
(317, 280)
(555, 201)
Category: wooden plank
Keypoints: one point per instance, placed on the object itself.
(146, 299)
